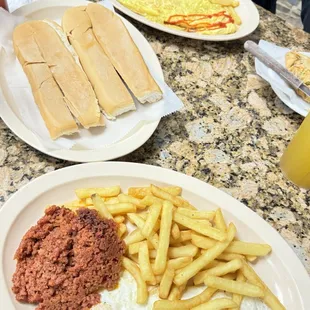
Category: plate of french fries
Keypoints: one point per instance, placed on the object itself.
(188, 244)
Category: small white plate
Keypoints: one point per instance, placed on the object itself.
(54, 9)
(281, 270)
(246, 10)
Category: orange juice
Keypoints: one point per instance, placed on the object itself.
(295, 162)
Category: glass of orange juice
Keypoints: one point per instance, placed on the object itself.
(295, 162)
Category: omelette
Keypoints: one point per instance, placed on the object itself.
(211, 17)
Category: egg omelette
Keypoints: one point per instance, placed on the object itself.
(211, 17)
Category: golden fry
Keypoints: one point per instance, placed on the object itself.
(151, 220)
(217, 304)
(150, 200)
(119, 219)
(112, 191)
(165, 283)
(164, 237)
(219, 220)
(237, 247)
(121, 208)
(144, 264)
(236, 297)
(180, 262)
(175, 231)
(134, 237)
(185, 304)
(122, 229)
(233, 286)
(207, 215)
(133, 269)
(198, 227)
(189, 250)
(100, 207)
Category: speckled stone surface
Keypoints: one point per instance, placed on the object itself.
(231, 132)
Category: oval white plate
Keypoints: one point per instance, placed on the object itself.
(246, 10)
(54, 9)
(282, 270)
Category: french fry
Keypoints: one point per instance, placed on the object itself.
(89, 201)
(185, 235)
(175, 200)
(192, 269)
(134, 237)
(233, 286)
(101, 207)
(228, 256)
(144, 264)
(74, 203)
(219, 270)
(237, 247)
(150, 200)
(189, 250)
(251, 258)
(180, 262)
(175, 231)
(141, 192)
(219, 220)
(207, 215)
(174, 293)
(134, 247)
(154, 212)
(112, 191)
(236, 297)
(121, 208)
(269, 298)
(111, 200)
(133, 269)
(185, 304)
(164, 237)
(137, 202)
(211, 232)
(119, 219)
(158, 278)
(165, 283)
(134, 258)
(216, 304)
(122, 229)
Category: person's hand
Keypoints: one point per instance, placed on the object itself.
(3, 4)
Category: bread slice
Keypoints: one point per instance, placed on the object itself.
(299, 65)
(123, 53)
(47, 93)
(113, 96)
(54, 50)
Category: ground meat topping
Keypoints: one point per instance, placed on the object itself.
(64, 259)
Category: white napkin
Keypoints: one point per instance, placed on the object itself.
(18, 95)
(277, 83)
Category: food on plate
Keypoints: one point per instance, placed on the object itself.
(123, 53)
(49, 63)
(66, 258)
(112, 94)
(299, 65)
(203, 16)
(168, 257)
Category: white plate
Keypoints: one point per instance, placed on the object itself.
(54, 9)
(282, 270)
(246, 10)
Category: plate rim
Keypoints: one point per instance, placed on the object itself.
(38, 186)
(180, 33)
(142, 131)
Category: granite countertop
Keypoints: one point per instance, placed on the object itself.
(231, 132)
